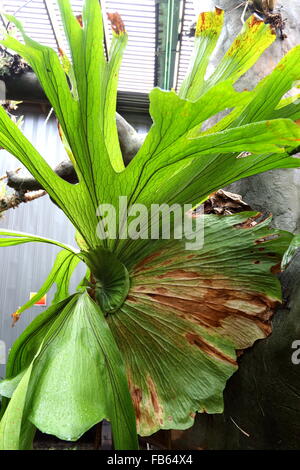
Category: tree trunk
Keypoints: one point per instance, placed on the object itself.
(262, 405)
(277, 191)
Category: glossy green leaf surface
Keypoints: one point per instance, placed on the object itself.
(16, 433)
(208, 29)
(60, 274)
(18, 238)
(77, 378)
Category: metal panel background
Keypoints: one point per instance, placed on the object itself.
(42, 22)
(137, 70)
(24, 268)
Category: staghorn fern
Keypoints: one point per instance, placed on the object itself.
(150, 338)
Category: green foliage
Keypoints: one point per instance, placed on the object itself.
(160, 321)
(67, 393)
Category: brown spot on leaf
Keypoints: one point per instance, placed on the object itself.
(210, 302)
(179, 274)
(153, 395)
(162, 290)
(209, 21)
(167, 262)
(116, 23)
(146, 404)
(250, 222)
(79, 19)
(265, 239)
(218, 11)
(60, 131)
(237, 43)
(15, 317)
(140, 288)
(147, 260)
(136, 395)
(255, 20)
(195, 340)
(276, 269)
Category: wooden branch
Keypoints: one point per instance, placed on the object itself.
(11, 201)
(130, 141)
(21, 83)
(26, 183)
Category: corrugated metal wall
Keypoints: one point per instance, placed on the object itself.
(24, 268)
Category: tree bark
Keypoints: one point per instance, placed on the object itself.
(277, 190)
(262, 406)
